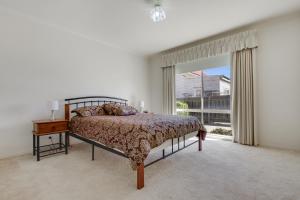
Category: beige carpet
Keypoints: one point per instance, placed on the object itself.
(222, 171)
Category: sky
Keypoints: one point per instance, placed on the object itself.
(224, 70)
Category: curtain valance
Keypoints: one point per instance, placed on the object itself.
(232, 43)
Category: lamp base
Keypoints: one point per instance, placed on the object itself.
(52, 118)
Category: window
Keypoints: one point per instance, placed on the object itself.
(206, 95)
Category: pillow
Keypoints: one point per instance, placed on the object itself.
(89, 111)
(122, 110)
(108, 108)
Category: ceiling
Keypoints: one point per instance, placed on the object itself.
(126, 23)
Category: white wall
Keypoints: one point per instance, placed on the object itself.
(40, 62)
(277, 77)
(278, 82)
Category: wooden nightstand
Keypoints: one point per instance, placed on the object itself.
(49, 127)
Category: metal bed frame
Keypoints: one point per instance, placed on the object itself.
(99, 100)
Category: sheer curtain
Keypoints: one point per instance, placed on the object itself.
(243, 65)
(169, 97)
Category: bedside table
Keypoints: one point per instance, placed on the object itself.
(49, 127)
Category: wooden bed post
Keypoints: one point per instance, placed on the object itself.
(67, 112)
(200, 141)
(67, 137)
(140, 176)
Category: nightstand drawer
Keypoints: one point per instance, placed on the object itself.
(44, 128)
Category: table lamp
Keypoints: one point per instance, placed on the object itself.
(142, 105)
(54, 107)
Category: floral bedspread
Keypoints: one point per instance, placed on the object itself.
(135, 135)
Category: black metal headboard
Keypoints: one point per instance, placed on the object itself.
(90, 101)
(94, 100)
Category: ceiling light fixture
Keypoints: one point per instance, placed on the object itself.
(157, 13)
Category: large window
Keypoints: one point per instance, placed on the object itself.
(206, 95)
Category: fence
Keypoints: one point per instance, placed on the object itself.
(214, 111)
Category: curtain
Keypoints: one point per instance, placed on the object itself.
(196, 51)
(169, 97)
(243, 66)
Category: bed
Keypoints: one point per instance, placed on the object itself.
(132, 136)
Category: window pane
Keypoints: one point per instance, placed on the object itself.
(188, 85)
(216, 97)
(210, 86)
(189, 93)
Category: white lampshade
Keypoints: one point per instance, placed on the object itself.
(142, 104)
(54, 105)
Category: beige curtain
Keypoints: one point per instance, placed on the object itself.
(196, 51)
(243, 66)
(169, 98)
